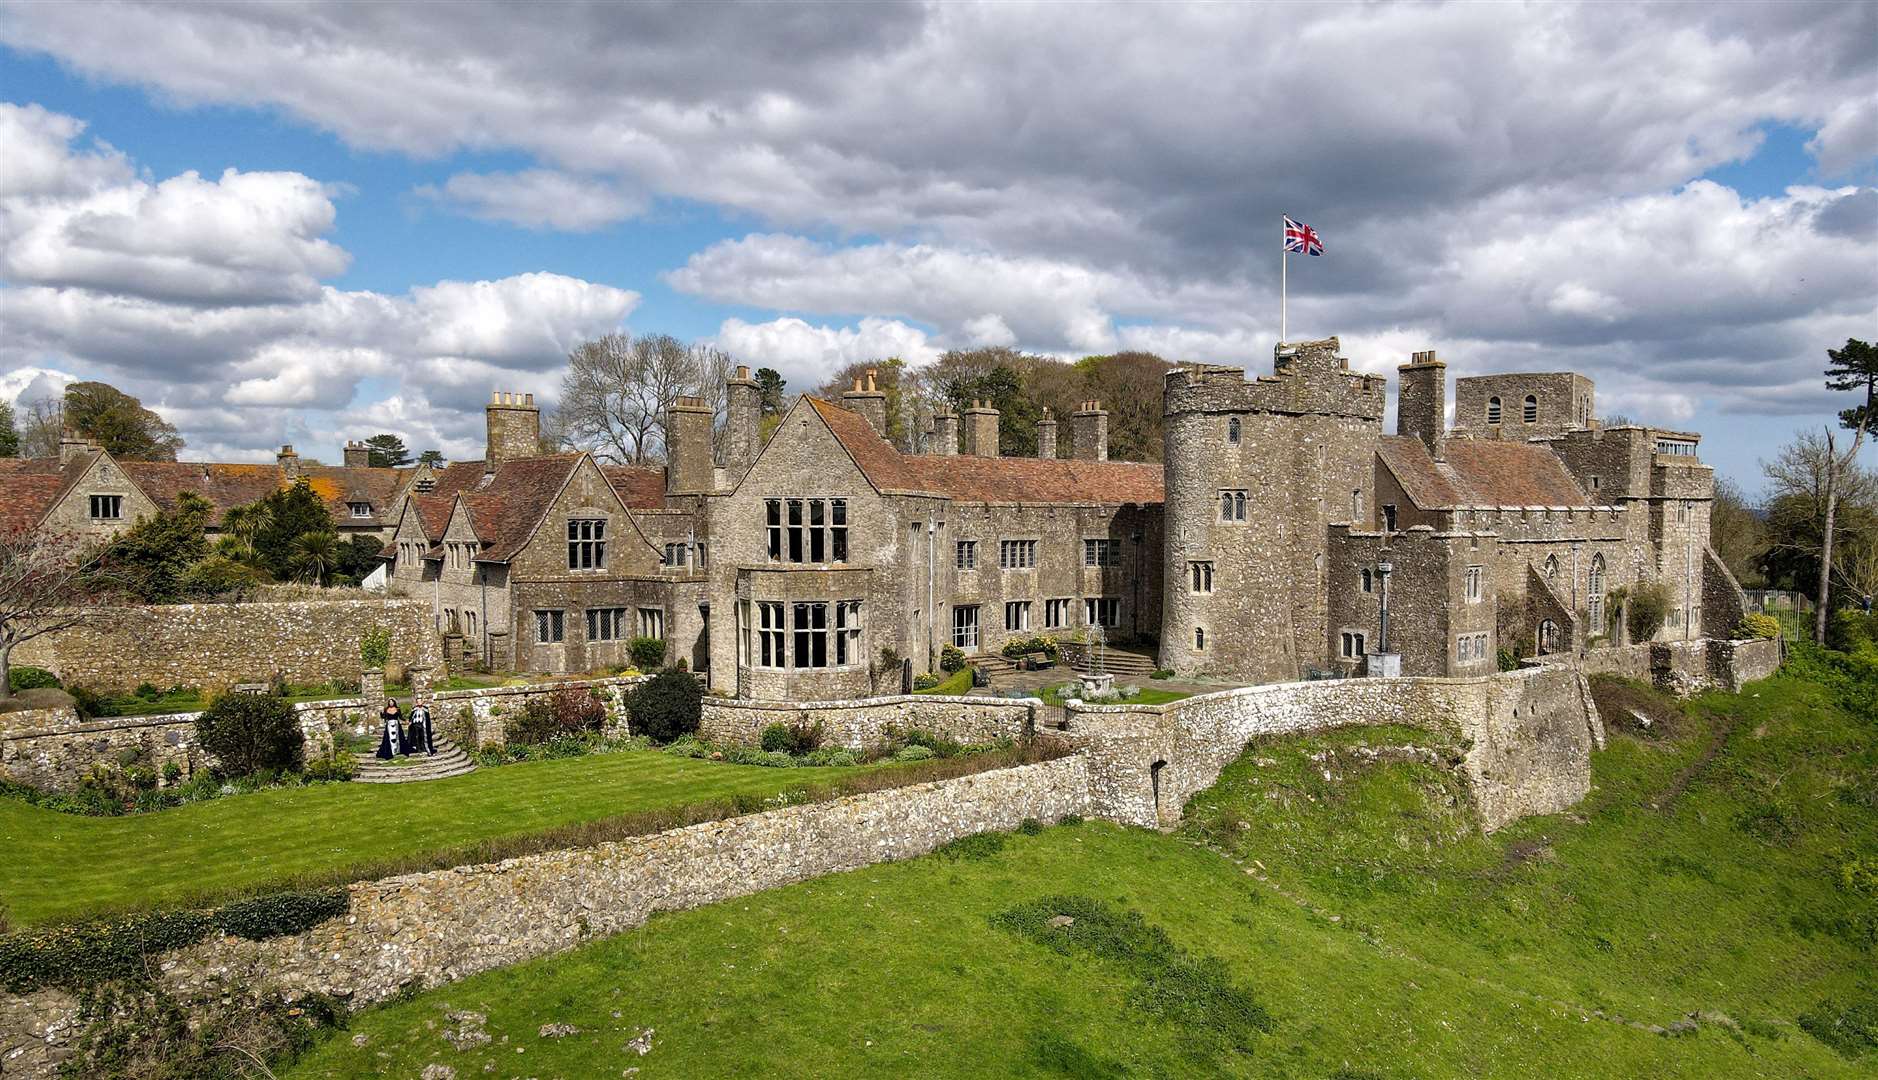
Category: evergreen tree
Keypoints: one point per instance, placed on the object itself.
(433, 458)
(9, 435)
(388, 452)
(152, 558)
(288, 514)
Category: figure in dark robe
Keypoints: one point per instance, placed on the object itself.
(421, 738)
(391, 737)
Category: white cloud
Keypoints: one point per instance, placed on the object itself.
(536, 198)
(807, 355)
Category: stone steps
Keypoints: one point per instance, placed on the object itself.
(450, 760)
(1128, 665)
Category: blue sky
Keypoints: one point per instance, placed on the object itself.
(807, 186)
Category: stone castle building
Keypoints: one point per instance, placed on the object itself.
(1286, 535)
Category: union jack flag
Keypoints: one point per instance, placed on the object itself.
(1301, 237)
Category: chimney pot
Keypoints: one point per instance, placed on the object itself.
(743, 371)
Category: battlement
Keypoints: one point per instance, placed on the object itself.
(1308, 378)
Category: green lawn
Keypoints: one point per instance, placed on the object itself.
(1700, 877)
(59, 866)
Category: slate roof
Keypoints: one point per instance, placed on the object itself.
(1480, 472)
(986, 479)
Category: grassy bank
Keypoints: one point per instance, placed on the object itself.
(1327, 910)
(62, 866)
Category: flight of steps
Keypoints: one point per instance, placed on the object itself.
(1123, 665)
(450, 760)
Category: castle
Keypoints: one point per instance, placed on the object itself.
(1284, 537)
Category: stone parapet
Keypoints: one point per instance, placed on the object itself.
(862, 723)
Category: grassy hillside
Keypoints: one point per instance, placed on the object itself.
(1327, 910)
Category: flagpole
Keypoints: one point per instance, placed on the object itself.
(1284, 266)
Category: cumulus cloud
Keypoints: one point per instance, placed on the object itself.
(205, 298)
(807, 355)
(536, 198)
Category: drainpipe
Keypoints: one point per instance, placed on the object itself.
(1382, 619)
(932, 541)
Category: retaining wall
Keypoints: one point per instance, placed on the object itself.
(1529, 736)
(425, 930)
(1685, 667)
(55, 750)
(863, 722)
(221, 645)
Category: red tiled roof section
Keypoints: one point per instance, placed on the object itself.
(983, 479)
(1481, 472)
(641, 487)
(457, 477)
(28, 488)
(341, 486)
(433, 513)
(224, 486)
(885, 467)
(505, 511)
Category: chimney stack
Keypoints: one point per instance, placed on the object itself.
(689, 465)
(981, 430)
(1421, 402)
(868, 400)
(945, 434)
(743, 407)
(72, 445)
(289, 462)
(513, 425)
(1089, 432)
(1046, 435)
(358, 455)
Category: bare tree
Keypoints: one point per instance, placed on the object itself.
(45, 581)
(617, 389)
(41, 424)
(710, 368)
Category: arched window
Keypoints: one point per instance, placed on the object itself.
(1532, 409)
(1225, 506)
(1595, 586)
(1199, 637)
(1232, 431)
(1551, 568)
(1493, 410)
(1548, 637)
(1238, 506)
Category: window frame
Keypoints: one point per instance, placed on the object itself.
(586, 544)
(965, 555)
(112, 503)
(1200, 576)
(550, 626)
(1016, 615)
(966, 629)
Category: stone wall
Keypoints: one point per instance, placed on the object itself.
(55, 750)
(220, 645)
(860, 724)
(1686, 667)
(1529, 736)
(425, 930)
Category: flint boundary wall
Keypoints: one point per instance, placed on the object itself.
(425, 930)
(864, 722)
(55, 750)
(1685, 667)
(1528, 735)
(221, 645)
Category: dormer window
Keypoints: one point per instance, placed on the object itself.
(360, 509)
(1493, 410)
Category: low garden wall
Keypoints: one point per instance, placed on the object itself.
(55, 750)
(863, 722)
(425, 930)
(1685, 667)
(220, 645)
(1528, 734)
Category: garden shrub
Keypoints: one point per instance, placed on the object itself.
(667, 706)
(776, 737)
(926, 681)
(570, 712)
(796, 739)
(648, 653)
(375, 647)
(1850, 630)
(914, 753)
(830, 756)
(1043, 643)
(90, 703)
(333, 767)
(147, 691)
(277, 914)
(143, 1033)
(248, 733)
(1757, 624)
(1030, 826)
(1161, 673)
(951, 659)
(974, 847)
(31, 678)
(1647, 607)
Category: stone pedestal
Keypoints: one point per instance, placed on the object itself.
(1095, 687)
(1383, 665)
(372, 684)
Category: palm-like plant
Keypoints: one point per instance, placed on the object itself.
(315, 554)
(248, 522)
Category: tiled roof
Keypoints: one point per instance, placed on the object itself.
(505, 511)
(641, 487)
(433, 513)
(985, 479)
(224, 486)
(28, 488)
(340, 485)
(1481, 472)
